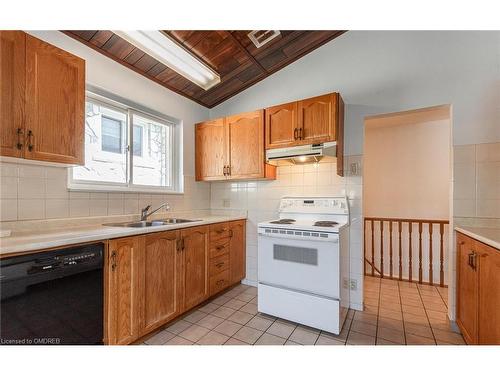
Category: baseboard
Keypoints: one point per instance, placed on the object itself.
(356, 306)
(249, 282)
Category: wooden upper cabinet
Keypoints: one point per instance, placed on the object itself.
(124, 290)
(12, 90)
(237, 251)
(211, 150)
(467, 288)
(317, 119)
(55, 92)
(162, 262)
(308, 121)
(489, 295)
(232, 148)
(195, 271)
(246, 150)
(281, 125)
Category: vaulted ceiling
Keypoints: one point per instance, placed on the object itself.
(231, 54)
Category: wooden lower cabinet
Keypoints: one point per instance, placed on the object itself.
(467, 285)
(489, 295)
(151, 279)
(478, 291)
(162, 265)
(124, 290)
(195, 271)
(237, 251)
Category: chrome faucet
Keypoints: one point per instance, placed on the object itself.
(145, 211)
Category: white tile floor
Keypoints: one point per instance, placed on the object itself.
(396, 313)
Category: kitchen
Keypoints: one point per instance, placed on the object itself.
(151, 216)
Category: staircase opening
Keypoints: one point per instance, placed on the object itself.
(407, 184)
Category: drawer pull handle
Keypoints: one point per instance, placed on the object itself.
(113, 260)
(219, 265)
(220, 282)
(30, 143)
(19, 133)
(220, 231)
(219, 247)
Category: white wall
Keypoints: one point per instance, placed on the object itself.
(407, 169)
(399, 70)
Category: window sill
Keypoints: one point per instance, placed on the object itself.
(121, 189)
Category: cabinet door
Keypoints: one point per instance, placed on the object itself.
(317, 119)
(55, 88)
(161, 274)
(211, 148)
(246, 145)
(237, 251)
(124, 290)
(195, 270)
(12, 88)
(489, 295)
(467, 289)
(281, 125)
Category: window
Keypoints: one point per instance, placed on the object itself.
(111, 130)
(126, 150)
(137, 140)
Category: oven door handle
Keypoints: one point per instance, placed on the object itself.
(334, 238)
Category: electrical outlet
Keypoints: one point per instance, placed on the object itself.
(345, 284)
(354, 169)
(353, 284)
(226, 203)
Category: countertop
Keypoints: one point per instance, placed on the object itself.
(21, 242)
(489, 236)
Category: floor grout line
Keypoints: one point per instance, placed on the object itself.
(402, 314)
(426, 315)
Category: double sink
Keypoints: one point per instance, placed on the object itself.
(152, 223)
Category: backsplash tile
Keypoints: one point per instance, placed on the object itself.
(476, 181)
(34, 192)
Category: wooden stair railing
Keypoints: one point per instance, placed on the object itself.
(401, 250)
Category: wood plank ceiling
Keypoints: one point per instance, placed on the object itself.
(231, 54)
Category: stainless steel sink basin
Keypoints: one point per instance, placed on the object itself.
(152, 223)
(177, 221)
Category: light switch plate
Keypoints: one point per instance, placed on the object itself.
(353, 284)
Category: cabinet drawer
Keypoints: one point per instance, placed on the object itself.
(219, 264)
(219, 282)
(219, 231)
(219, 248)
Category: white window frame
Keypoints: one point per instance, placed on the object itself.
(175, 149)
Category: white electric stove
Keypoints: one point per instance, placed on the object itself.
(303, 262)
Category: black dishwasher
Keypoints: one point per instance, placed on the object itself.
(53, 297)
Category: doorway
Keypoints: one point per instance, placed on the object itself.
(407, 188)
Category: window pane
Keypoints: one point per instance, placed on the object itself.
(152, 167)
(105, 140)
(137, 146)
(112, 131)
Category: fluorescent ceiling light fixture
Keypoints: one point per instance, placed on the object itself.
(160, 46)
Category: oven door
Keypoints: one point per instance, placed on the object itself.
(306, 265)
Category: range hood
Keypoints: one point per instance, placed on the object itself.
(302, 154)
